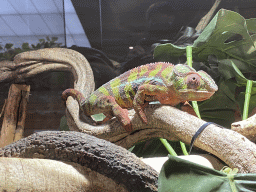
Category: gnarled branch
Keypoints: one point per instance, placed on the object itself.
(166, 122)
(98, 155)
(246, 127)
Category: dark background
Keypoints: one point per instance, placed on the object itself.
(114, 25)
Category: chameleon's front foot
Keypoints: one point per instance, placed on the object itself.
(125, 123)
(122, 115)
(140, 108)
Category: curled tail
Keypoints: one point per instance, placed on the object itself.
(77, 95)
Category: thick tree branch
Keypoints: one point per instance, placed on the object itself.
(246, 127)
(166, 122)
(96, 154)
(15, 114)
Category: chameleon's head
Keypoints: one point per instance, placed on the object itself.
(191, 85)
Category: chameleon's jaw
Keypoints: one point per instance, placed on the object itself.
(195, 95)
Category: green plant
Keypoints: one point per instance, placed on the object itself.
(8, 52)
(231, 39)
(178, 175)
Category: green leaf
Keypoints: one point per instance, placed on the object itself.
(98, 117)
(38, 45)
(168, 147)
(230, 68)
(41, 40)
(222, 107)
(48, 39)
(227, 70)
(59, 45)
(252, 103)
(54, 39)
(8, 45)
(219, 33)
(155, 148)
(241, 80)
(179, 175)
(226, 36)
(169, 53)
(238, 72)
(63, 124)
(25, 46)
(46, 45)
(251, 25)
(18, 50)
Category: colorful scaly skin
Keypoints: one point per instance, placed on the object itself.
(169, 84)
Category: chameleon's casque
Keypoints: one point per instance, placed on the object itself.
(169, 84)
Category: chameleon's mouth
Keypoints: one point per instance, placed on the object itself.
(195, 95)
(195, 91)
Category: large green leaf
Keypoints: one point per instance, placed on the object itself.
(169, 53)
(154, 148)
(228, 71)
(179, 175)
(252, 103)
(218, 34)
(231, 68)
(222, 107)
(226, 36)
(232, 39)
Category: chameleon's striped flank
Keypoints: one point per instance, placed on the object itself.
(166, 72)
(180, 84)
(133, 75)
(127, 90)
(92, 99)
(143, 70)
(104, 91)
(182, 69)
(156, 70)
(115, 84)
(161, 81)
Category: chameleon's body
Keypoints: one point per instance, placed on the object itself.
(169, 84)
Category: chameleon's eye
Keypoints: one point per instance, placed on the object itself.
(193, 81)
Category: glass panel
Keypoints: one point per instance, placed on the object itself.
(144, 22)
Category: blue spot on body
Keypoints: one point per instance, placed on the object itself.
(140, 81)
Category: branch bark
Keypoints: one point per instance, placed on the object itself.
(246, 127)
(15, 114)
(205, 20)
(165, 122)
(98, 155)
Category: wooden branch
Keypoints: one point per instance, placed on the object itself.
(246, 127)
(21, 174)
(105, 158)
(175, 125)
(205, 20)
(15, 114)
(166, 122)
(22, 112)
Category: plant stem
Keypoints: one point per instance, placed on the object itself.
(247, 99)
(183, 148)
(189, 55)
(194, 103)
(196, 109)
(168, 147)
